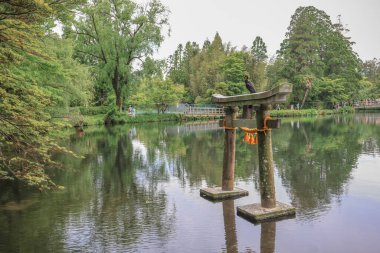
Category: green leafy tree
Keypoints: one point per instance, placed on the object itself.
(256, 64)
(205, 67)
(112, 35)
(25, 145)
(227, 89)
(180, 63)
(158, 92)
(151, 68)
(63, 79)
(191, 50)
(315, 47)
(207, 70)
(368, 90)
(371, 71)
(234, 68)
(329, 92)
(177, 73)
(259, 49)
(275, 65)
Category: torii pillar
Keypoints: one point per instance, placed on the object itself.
(228, 179)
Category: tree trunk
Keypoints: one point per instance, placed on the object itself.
(164, 107)
(308, 86)
(118, 99)
(305, 97)
(117, 85)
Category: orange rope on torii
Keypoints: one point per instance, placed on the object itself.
(251, 136)
(226, 127)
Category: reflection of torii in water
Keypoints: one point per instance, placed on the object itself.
(230, 226)
(267, 237)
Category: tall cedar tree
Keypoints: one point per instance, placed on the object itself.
(314, 47)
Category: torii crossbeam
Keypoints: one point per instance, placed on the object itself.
(277, 95)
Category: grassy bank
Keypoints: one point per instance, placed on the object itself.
(123, 118)
(99, 116)
(309, 112)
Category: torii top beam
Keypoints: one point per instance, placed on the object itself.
(276, 95)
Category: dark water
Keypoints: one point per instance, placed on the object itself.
(137, 190)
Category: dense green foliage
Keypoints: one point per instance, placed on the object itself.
(34, 75)
(112, 35)
(65, 81)
(318, 59)
(309, 112)
(159, 93)
(370, 87)
(122, 118)
(217, 68)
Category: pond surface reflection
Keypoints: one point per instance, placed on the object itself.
(137, 190)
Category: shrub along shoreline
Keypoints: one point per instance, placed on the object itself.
(310, 112)
(97, 117)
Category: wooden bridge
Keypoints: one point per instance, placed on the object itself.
(368, 105)
(204, 111)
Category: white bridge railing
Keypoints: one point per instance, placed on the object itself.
(367, 104)
(204, 111)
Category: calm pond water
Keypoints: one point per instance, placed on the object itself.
(137, 190)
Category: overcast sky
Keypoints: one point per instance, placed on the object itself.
(240, 21)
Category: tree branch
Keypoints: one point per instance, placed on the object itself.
(96, 31)
(130, 59)
(87, 53)
(86, 34)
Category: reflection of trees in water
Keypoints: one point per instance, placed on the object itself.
(371, 134)
(128, 203)
(247, 163)
(112, 200)
(198, 155)
(114, 195)
(315, 160)
(205, 158)
(371, 146)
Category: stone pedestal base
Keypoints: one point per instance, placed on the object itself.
(217, 193)
(257, 213)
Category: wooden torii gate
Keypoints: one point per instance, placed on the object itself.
(269, 207)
